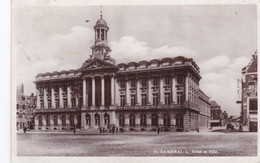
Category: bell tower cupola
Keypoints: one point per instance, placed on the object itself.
(101, 49)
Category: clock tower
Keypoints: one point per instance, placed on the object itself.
(101, 49)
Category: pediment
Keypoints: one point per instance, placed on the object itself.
(96, 63)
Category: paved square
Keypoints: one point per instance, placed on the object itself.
(138, 144)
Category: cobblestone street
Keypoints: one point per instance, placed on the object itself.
(138, 144)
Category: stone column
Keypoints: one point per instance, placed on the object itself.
(187, 88)
(102, 91)
(117, 93)
(161, 91)
(127, 89)
(69, 96)
(112, 90)
(93, 91)
(150, 93)
(84, 92)
(174, 94)
(52, 98)
(38, 98)
(138, 94)
(45, 98)
(61, 97)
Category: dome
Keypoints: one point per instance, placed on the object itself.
(101, 23)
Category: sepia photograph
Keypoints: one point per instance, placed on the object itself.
(115, 80)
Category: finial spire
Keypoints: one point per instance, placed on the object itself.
(101, 12)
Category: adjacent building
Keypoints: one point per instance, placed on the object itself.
(138, 96)
(249, 95)
(216, 114)
(24, 109)
(204, 105)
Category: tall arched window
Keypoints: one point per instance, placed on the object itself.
(88, 120)
(71, 120)
(121, 120)
(97, 119)
(47, 120)
(132, 120)
(143, 120)
(166, 120)
(179, 120)
(40, 120)
(63, 120)
(106, 119)
(55, 120)
(154, 119)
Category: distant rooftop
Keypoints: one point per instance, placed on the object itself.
(213, 103)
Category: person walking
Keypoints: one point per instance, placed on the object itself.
(158, 130)
(24, 130)
(74, 129)
(100, 130)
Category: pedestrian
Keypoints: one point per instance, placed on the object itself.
(74, 129)
(100, 130)
(113, 129)
(24, 130)
(158, 130)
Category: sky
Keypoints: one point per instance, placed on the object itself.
(220, 38)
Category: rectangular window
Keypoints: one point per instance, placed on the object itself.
(73, 102)
(122, 100)
(42, 104)
(144, 82)
(65, 103)
(122, 84)
(179, 98)
(56, 89)
(132, 100)
(167, 98)
(49, 103)
(132, 83)
(144, 99)
(179, 79)
(155, 99)
(41, 90)
(167, 80)
(64, 88)
(57, 103)
(155, 81)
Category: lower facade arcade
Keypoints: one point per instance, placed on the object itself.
(126, 120)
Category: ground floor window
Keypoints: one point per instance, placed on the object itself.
(154, 120)
(132, 120)
(63, 120)
(88, 121)
(179, 120)
(40, 120)
(71, 120)
(121, 120)
(106, 119)
(97, 119)
(166, 120)
(143, 120)
(47, 120)
(55, 120)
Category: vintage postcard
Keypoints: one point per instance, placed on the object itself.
(134, 82)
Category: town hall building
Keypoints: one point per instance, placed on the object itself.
(135, 96)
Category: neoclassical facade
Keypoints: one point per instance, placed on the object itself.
(137, 96)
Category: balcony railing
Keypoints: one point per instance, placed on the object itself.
(67, 109)
(170, 106)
